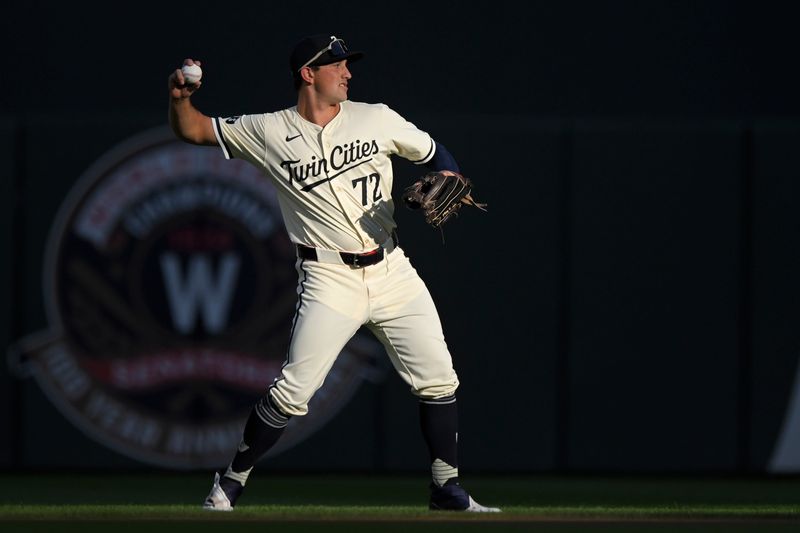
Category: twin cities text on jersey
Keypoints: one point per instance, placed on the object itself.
(341, 158)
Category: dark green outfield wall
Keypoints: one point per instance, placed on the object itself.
(627, 304)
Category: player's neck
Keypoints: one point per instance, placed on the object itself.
(317, 112)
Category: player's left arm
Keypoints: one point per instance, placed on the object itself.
(441, 160)
(416, 145)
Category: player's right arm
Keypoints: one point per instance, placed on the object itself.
(186, 121)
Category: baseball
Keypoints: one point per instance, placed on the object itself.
(192, 73)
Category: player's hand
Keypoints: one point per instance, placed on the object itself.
(178, 88)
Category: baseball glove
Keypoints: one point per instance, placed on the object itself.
(440, 195)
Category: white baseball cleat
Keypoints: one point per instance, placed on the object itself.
(217, 500)
(475, 507)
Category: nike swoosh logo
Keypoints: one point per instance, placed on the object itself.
(293, 138)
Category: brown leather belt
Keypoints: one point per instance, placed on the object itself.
(348, 258)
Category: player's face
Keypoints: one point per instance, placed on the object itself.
(331, 81)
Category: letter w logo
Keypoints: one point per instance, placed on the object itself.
(200, 291)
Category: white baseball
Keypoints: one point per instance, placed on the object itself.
(192, 73)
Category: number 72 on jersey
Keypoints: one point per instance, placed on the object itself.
(369, 184)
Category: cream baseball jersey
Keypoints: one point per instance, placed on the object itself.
(334, 183)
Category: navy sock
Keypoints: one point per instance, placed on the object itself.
(263, 429)
(439, 423)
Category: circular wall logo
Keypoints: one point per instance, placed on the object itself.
(170, 289)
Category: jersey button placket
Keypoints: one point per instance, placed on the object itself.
(336, 188)
(351, 205)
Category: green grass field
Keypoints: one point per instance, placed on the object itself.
(160, 502)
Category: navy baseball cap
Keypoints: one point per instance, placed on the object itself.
(321, 49)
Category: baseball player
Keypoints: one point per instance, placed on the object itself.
(329, 160)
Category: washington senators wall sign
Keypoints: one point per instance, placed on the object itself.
(170, 285)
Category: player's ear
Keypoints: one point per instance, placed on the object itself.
(307, 73)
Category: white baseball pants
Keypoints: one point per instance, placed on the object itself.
(334, 300)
